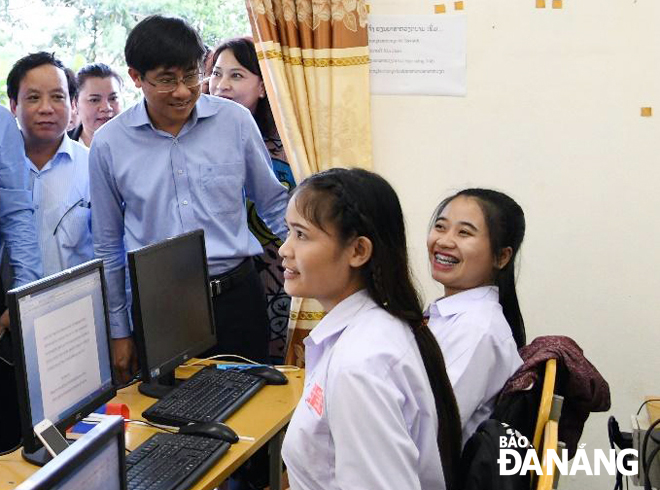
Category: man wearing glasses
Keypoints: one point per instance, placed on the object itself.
(39, 96)
(178, 161)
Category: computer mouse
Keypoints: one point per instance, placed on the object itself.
(269, 373)
(215, 430)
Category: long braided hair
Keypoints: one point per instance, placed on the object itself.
(360, 203)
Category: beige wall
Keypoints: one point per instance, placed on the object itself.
(552, 117)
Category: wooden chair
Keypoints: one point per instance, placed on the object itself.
(550, 441)
(545, 406)
(546, 434)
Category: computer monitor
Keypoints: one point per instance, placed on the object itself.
(94, 461)
(61, 348)
(172, 311)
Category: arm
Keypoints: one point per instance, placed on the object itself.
(373, 447)
(261, 186)
(108, 237)
(17, 225)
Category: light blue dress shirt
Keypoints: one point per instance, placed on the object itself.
(17, 226)
(148, 185)
(60, 192)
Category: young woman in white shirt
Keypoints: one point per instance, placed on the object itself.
(377, 411)
(474, 239)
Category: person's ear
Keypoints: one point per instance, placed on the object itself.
(262, 90)
(504, 258)
(12, 106)
(135, 76)
(361, 250)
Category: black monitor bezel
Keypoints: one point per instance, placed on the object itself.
(138, 327)
(30, 441)
(79, 453)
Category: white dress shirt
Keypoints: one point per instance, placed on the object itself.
(367, 418)
(479, 350)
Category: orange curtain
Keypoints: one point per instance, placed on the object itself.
(314, 59)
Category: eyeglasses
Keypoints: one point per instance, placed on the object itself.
(81, 202)
(166, 85)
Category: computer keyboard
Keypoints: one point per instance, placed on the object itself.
(210, 395)
(172, 461)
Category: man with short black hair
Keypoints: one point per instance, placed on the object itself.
(38, 91)
(178, 161)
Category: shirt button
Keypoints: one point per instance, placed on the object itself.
(180, 172)
(185, 203)
(36, 206)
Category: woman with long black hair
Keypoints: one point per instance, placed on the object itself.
(473, 242)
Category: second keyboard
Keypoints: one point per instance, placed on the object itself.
(210, 395)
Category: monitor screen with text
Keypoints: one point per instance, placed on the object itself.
(64, 344)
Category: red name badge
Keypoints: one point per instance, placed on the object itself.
(315, 399)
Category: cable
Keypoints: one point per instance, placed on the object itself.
(164, 428)
(285, 368)
(645, 402)
(130, 382)
(15, 448)
(220, 356)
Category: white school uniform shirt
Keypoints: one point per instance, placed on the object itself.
(367, 417)
(479, 350)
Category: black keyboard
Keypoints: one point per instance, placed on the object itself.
(172, 461)
(210, 395)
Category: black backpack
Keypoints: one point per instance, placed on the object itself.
(479, 467)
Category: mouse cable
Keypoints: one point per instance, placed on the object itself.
(221, 356)
(280, 367)
(164, 428)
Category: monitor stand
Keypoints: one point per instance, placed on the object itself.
(41, 456)
(159, 387)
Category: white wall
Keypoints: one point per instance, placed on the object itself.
(552, 117)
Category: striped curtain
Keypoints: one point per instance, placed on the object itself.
(315, 63)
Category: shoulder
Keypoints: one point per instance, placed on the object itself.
(217, 108)
(484, 320)
(375, 340)
(118, 124)
(6, 118)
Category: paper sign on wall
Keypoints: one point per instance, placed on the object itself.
(418, 54)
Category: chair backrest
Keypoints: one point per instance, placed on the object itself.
(550, 441)
(546, 401)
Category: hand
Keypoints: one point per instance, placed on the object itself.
(4, 321)
(124, 359)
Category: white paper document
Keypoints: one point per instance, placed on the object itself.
(418, 54)
(68, 356)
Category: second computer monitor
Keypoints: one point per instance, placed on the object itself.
(94, 461)
(172, 311)
(62, 350)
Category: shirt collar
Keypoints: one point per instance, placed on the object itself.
(463, 301)
(341, 316)
(205, 106)
(65, 148)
